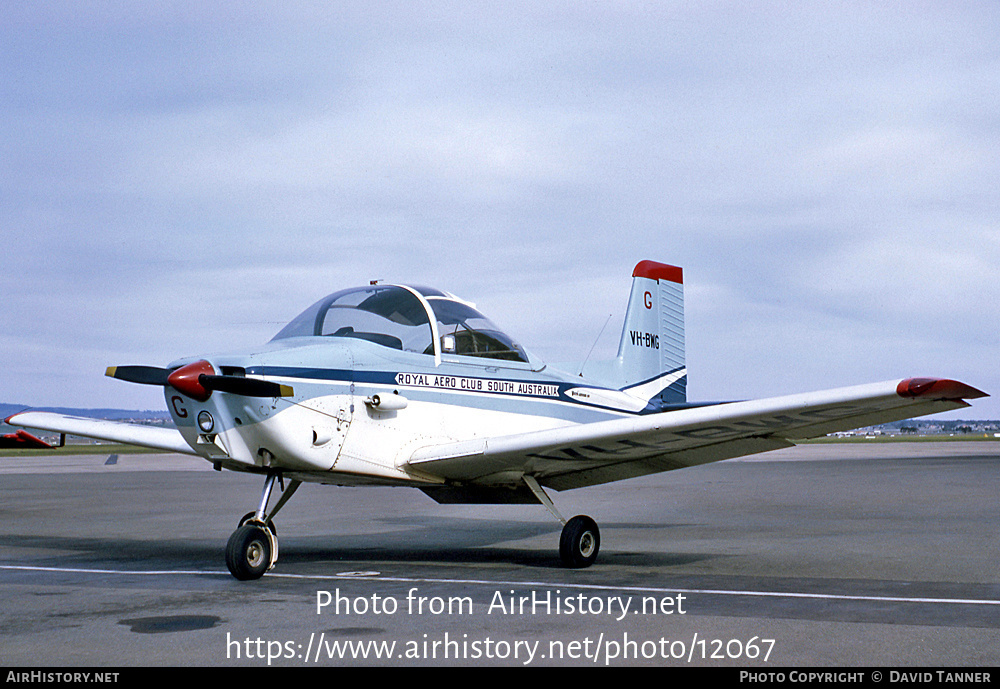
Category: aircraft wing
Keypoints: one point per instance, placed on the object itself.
(131, 434)
(589, 454)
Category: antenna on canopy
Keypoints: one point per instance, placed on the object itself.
(595, 343)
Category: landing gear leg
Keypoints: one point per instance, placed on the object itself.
(253, 548)
(580, 539)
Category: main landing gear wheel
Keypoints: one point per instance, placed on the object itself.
(580, 539)
(579, 543)
(249, 551)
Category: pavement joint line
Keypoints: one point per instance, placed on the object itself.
(537, 584)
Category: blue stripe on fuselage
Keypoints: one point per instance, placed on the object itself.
(430, 385)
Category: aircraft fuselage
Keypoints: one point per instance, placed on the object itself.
(331, 430)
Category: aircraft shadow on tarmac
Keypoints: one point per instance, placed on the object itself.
(472, 541)
(435, 540)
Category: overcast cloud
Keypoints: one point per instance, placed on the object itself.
(182, 178)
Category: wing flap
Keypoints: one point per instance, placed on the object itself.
(131, 434)
(588, 454)
(678, 459)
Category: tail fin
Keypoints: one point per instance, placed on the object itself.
(650, 363)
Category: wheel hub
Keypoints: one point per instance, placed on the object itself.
(255, 554)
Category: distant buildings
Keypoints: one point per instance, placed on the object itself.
(931, 427)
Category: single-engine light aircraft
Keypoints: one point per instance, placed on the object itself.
(404, 385)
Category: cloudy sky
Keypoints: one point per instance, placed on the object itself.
(181, 178)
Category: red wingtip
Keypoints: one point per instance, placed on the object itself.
(658, 271)
(7, 420)
(937, 388)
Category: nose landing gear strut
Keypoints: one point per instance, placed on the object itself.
(252, 550)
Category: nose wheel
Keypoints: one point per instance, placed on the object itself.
(252, 550)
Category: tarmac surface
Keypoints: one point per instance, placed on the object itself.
(860, 555)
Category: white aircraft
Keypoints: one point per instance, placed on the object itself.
(406, 385)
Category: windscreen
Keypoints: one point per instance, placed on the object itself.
(388, 316)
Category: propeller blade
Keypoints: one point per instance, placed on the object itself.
(198, 380)
(146, 375)
(248, 387)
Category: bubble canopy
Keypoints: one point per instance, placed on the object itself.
(411, 319)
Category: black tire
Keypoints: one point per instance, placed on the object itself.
(579, 543)
(248, 552)
(250, 515)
